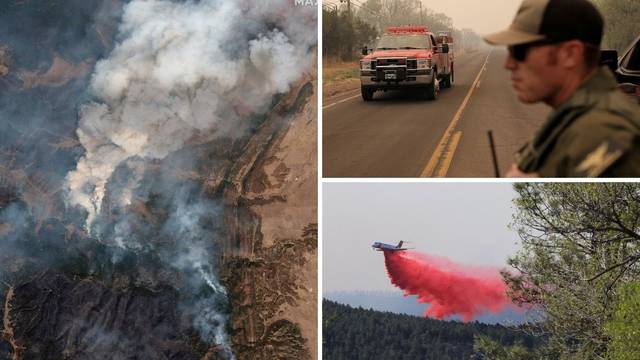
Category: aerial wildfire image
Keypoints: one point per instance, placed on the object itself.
(531, 271)
(158, 179)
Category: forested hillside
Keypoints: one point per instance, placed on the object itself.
(396, 303)
(356, 333)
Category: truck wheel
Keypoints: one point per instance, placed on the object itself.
(431, 91)
(446, 81)
(367, 93)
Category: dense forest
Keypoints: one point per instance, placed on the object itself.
(356, 333)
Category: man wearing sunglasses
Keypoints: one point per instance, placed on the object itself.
(593, 130)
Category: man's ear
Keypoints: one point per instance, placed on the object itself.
(571, 54)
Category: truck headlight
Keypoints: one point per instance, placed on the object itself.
(424, 64)
(365, 65)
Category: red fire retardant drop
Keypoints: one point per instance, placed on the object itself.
(448, 288)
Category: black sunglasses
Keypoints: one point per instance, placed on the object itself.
(519, 52)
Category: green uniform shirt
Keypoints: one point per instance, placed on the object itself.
(594, 133)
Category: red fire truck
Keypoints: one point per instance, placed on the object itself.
(406, 57)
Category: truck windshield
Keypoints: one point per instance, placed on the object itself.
(404, 41)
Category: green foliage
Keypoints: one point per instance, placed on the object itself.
(355, 333)
(580, 241)
(624, 328)
(493, 350)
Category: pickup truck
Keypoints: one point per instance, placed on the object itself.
(628, 72)
(406, 57)
(626, 68)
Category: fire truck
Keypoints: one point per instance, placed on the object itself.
(406, 57)
(445, 37)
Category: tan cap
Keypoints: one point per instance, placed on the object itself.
(556, 20)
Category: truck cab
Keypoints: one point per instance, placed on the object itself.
(406, 57)
(445, 37)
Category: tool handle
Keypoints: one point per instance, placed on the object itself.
(496, 169)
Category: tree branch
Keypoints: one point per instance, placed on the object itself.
(631, 259)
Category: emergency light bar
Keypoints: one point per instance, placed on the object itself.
(407, 30)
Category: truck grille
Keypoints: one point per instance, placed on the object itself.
(392, 61)
(390, 69)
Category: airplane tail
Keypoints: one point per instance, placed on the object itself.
(399, 244)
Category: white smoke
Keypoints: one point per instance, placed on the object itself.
(183, 70)
(193, 257)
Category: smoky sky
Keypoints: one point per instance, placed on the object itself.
(482, 16)
(466, 223)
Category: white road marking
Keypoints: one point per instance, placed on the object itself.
(341, 101)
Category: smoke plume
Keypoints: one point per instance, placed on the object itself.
(183, 70)
(449, 288)
(178, 74)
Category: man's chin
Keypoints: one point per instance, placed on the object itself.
(526, 98)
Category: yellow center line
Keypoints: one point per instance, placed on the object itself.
(448, 155)
(446, 147)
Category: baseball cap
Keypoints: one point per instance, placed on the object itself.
(553, 20)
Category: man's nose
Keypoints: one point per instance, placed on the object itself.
(510, 63)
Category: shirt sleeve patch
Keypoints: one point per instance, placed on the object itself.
(596, 162)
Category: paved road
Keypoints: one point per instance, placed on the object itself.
(399, 135)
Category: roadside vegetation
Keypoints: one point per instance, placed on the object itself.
(342, 34)
(339, 71)
(580, 264)
(346, 30)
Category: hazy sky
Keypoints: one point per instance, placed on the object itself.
(484, 16)
(466, 222)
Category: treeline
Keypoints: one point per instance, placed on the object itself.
(385, 13)
(356, 333)
(622, 22)
(580, 265)
(345, 30)
(343, 34)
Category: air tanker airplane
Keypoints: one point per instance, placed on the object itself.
(388, 247)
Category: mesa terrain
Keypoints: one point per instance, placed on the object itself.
(251, 193)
